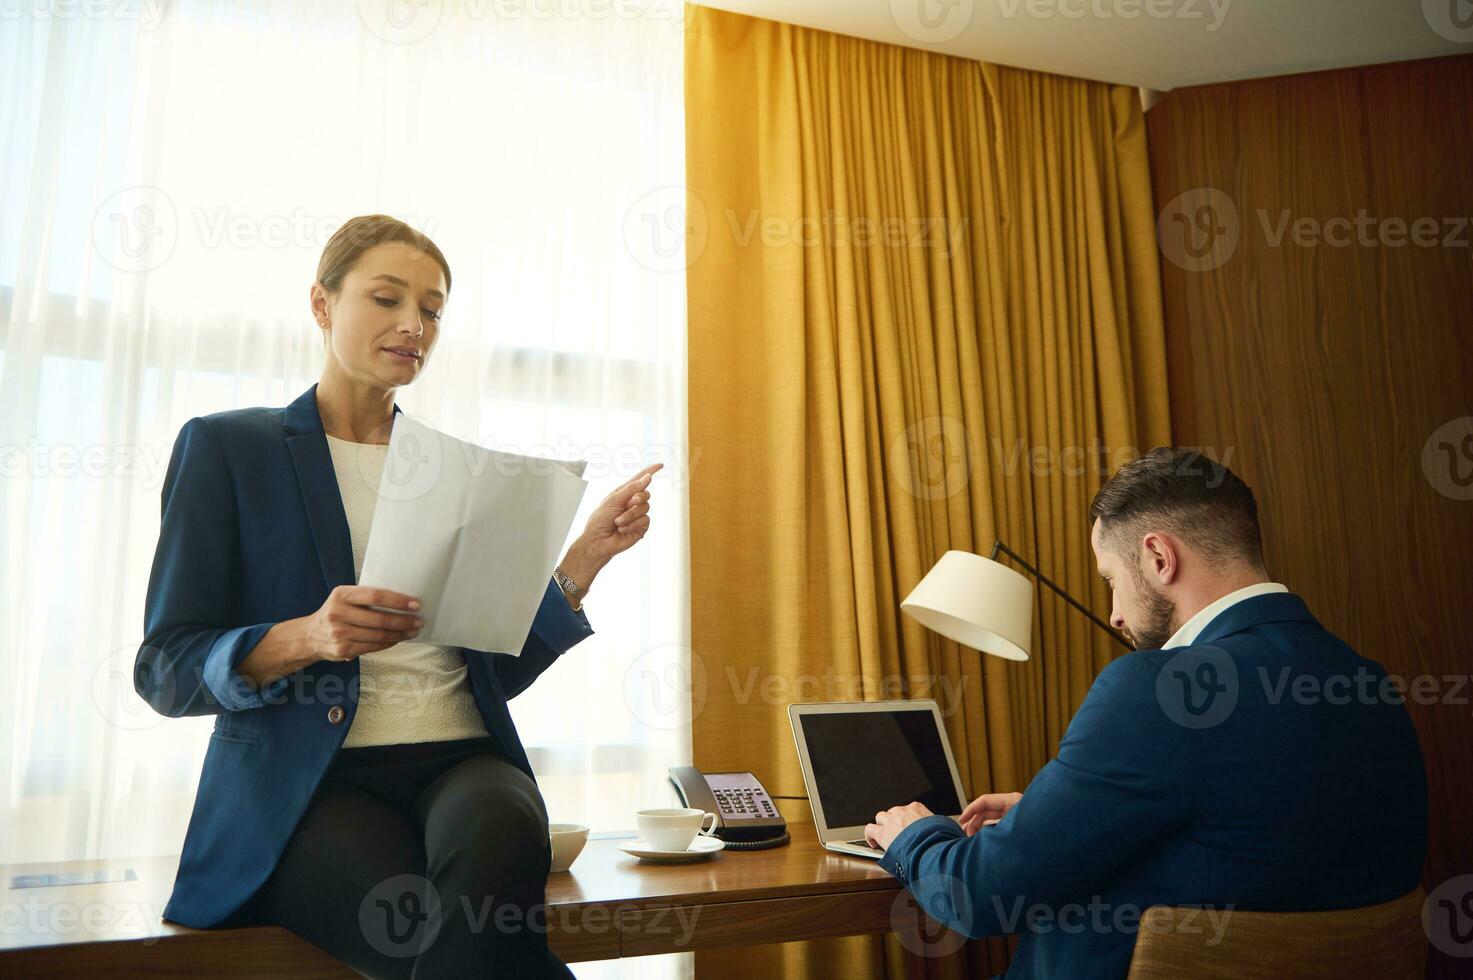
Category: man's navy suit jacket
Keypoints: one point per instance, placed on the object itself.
(1264, 767)
(253, 532)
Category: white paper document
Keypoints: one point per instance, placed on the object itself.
(472, 533)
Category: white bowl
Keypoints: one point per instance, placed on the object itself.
(567, 843)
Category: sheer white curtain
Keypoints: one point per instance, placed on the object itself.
(168, 177)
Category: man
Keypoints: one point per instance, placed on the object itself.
(1242, 758)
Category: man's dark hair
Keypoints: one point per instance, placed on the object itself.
(1187, 494)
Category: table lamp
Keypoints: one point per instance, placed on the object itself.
(983, 604)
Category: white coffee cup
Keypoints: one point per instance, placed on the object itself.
(567, 843)
(673, 829)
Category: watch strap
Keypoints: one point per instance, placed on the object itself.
(572, 589)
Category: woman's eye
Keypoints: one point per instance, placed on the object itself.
(387, 301)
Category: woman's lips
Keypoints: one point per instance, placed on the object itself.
(400, 356)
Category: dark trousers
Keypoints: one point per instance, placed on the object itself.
(419, 860)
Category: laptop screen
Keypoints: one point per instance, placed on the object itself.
(865, 762)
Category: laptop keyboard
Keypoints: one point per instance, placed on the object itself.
(863, 842)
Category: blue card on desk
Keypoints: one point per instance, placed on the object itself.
(73, 878)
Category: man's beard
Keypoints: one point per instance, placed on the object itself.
(1154, 622)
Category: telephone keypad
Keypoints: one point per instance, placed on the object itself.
(740, 797)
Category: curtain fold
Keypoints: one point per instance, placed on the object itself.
(923, 313)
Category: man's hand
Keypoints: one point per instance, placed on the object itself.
(889, 823)
(986, 810)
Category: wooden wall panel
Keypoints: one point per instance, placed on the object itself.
(1323, 370)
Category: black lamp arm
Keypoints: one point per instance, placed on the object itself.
(999, 548)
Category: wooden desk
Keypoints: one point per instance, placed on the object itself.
(609, 905)
(612, 905)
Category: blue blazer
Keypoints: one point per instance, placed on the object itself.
(253, 533)
(1192, 776)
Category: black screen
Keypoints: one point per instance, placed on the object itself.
(865, 763)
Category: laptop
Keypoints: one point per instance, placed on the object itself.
(861, 757)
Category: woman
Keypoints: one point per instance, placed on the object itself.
(364, 790)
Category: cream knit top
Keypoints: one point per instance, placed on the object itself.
(409, 692)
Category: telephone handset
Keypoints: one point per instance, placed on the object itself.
(746, 817)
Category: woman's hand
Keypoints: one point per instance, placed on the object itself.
(616, 526)
(345, 628)
(986, 810)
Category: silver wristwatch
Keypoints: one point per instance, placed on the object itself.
(570, 588)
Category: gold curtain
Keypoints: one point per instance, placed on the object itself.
(924, 312)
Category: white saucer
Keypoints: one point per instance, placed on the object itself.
(700, 848)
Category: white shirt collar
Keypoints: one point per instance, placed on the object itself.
(1189, 630)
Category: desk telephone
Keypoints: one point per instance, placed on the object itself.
(746, 817)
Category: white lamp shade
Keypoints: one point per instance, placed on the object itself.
(976, 602)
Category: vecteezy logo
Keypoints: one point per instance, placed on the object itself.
(1198, 229)
(412, 464)
(1447, 459)
(1198, 687)
(661, 682)
(666, 229)
(922, 934)
(1447, 916)
(929, 458)
(932, 21)
(117, 681)
(400, 21)
(1451, 19)
(136, 229)
(400, 916)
